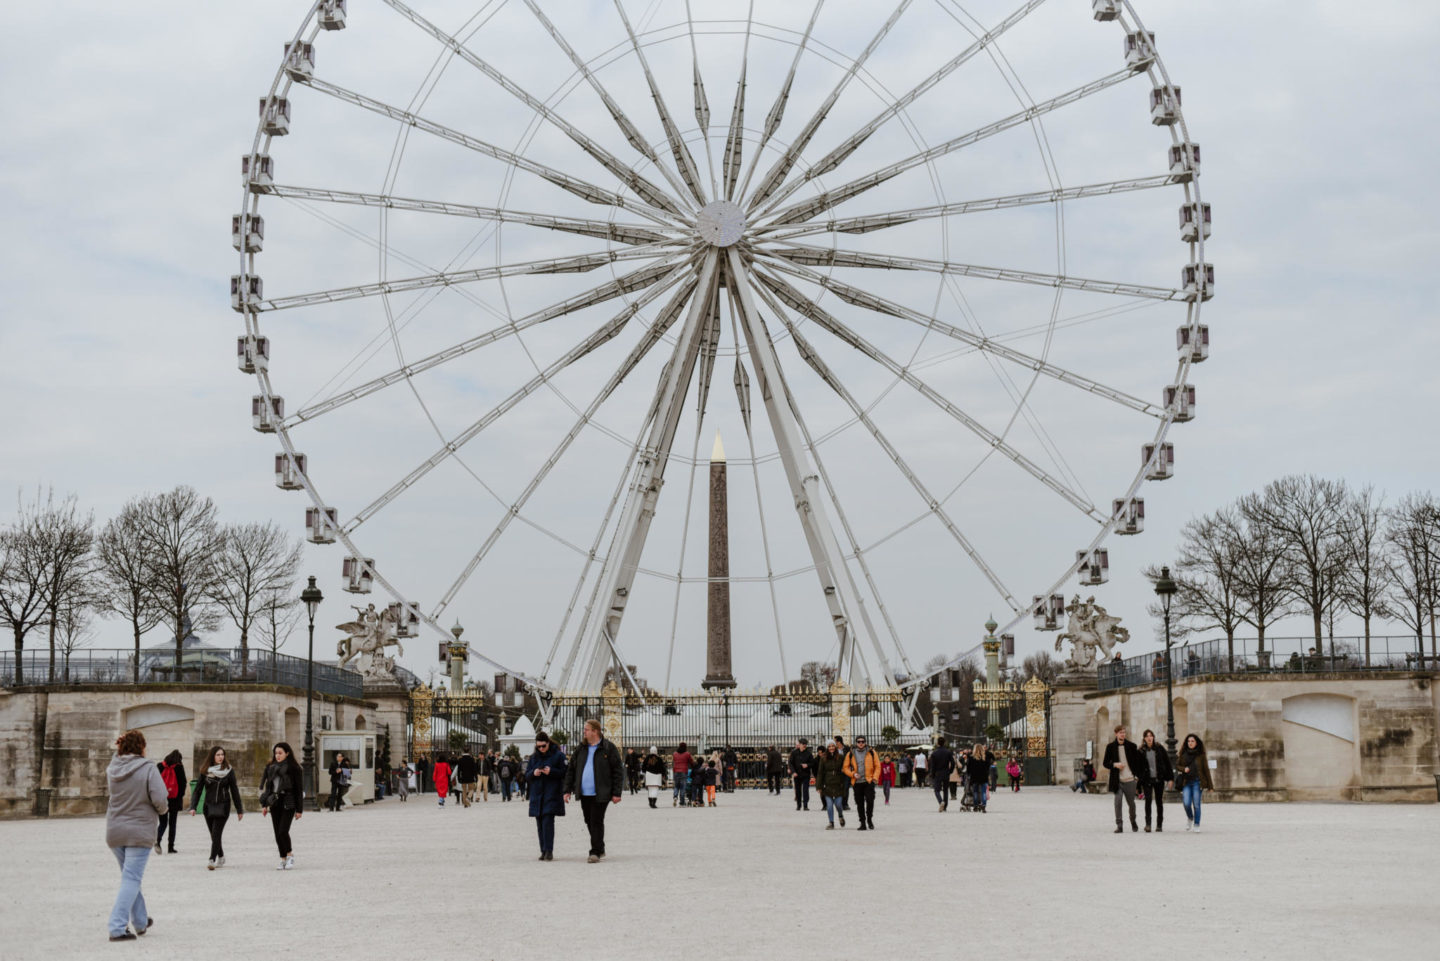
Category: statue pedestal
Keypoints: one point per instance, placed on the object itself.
(1070, 725)
(392, 708)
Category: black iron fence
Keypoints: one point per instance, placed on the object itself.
(192, 666)
(1281, 655)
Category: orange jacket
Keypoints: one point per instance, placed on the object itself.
(872, 767)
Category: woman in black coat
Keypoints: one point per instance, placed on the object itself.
(282, 797)
(545, 773)
(217, 787)
(1155, 772)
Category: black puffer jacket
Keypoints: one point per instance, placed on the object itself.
(219, 792)
(286, 782)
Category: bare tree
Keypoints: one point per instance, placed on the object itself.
(1041, 665)
(183, 545)
(1309, 515)
(1365, 577)
(74, 622)
(1413, 542)
(22, 578)
(279, 615)
(255, 562)
(1207, 579)
(820, 674)
(65, 540)
(1263, 570)
(125, 585)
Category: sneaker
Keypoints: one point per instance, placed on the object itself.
(290, 862)
(124, 936)
(210, 865)
(1189, 825)
(220, 861)
(158, 850)
(592, 859)
(282, 865)
(1197, 829)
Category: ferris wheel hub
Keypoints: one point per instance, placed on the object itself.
(720, 223)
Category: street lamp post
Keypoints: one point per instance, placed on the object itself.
(311, 597)
(1165, 589)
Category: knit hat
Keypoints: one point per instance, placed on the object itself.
(652, 750)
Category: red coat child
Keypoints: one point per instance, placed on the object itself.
(441, 774)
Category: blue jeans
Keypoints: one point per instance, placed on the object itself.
(545, 827)
(130, 903)
(832, 807)
(1190, 797)
(682, 782)
(980, 791)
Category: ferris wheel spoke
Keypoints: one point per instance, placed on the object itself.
(852, 143)
(814, 361)
(870, 222)
(684, 162)
(580, 188)
(624, 233)
(626, 284)
(772, 180)
(805, 210)
(602, 335)
(836, 257)
(735, 135)
(880, 305)
(580, 264)
(662, 323)
(702, 103)
(856, 552)
(782, 97)
(808, 308)
(644, 189)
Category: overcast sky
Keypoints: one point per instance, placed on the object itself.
(119, 170)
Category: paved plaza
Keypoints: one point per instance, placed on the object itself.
(1040, 876)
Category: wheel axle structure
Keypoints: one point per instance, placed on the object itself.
(566, 243)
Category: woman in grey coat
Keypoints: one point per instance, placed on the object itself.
(137, 798)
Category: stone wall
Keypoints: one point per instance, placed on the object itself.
(1354, 737)
(56, 743)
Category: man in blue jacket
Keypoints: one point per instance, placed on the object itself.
(597, 774)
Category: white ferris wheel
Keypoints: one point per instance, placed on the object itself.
(510, 252)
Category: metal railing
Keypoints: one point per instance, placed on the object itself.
(194, 666)
(1282, 655)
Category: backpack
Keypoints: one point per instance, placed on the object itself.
(172, 783)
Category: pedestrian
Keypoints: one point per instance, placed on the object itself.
(902, 770)
(172, 772)
(138, 795)
(1155, 772)
(712, 776)
(467, 772)
(774, 770)
(654, 771)
(978, 770)
(1192, 778)
(1083, 777)
(994, 773)
(862, 767)
(1012, 770)
(1122, 760)
(887, 776)
(597, 775)
(422, 770)
(632, 769)
(843, 751)
(941, 763)
(506, 770)
(282, 797)
(802, 769)
(215, 788)
(440, 774)
(833, 785)
(339, 771)
(402, 780)
(732, 766)
(545, 775)
(922, 767)
(680, 763)
(952, 782)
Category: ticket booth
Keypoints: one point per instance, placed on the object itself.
(359, 748)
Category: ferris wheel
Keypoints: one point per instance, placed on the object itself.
(934, 260)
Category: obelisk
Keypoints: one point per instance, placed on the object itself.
(717, 609)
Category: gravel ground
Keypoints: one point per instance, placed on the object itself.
(1040, 876)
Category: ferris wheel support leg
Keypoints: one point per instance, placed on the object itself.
(842, 595)
(618, 574)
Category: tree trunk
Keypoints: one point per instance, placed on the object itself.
(244, 652)
(1230, 640)
(1315, 616)
(19, 657)
(52, 647)
(179, 647)
(1367, 640)
(135, 667)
